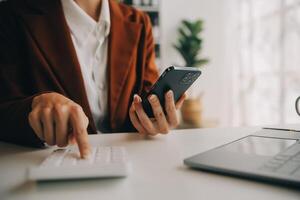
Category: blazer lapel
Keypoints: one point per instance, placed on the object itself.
(50, 31)
(123, 41)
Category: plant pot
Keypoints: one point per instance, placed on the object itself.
(191, 112)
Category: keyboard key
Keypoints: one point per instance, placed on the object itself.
(267, 169)
(69, 159)
(282, 157)
(297, 173)
(55, 158)
(278, 162)
(272, 165)
(117, 154)
(295, 149)
(84, 161)
(297, 161)
(102, 155)
(289, 167)
(297, 157)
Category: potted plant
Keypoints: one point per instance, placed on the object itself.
(189, 46)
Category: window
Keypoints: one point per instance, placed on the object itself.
(266, 61)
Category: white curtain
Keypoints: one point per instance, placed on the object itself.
(263, 43)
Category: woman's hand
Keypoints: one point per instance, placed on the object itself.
(161, 123)
(59, 121)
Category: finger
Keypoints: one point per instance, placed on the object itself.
(159, 115)
(135, 121)
(71, 139)
(142, 116)
(61, 125)
(35, 123)
(171, 109)
(48, 123)
(79, 125)
(180, 101)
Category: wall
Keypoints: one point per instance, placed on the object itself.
(213, 81)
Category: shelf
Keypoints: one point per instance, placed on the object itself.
(147, 8)
(153, 11)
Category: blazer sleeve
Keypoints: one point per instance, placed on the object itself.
(151, 73)
(147, 72)
(15, 98)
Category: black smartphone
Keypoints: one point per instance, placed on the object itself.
(177, 79)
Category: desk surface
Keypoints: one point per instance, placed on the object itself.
(158, 171)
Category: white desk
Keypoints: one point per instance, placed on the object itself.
(158, 172)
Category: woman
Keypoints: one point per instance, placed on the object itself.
(69, 68)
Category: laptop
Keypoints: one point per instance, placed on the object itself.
(270, 155)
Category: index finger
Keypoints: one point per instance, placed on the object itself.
(79, 126)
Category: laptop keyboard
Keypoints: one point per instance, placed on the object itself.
(286, 162)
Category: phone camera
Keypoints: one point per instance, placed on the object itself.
(189, 78)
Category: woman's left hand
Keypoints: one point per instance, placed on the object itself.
(161, 123)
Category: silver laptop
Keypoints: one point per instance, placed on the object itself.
(267, 155)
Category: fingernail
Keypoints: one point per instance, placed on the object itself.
(86, 155)
(152, 97)
(137, 98)
(170, 93)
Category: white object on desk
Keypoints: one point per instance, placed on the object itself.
(66, 164)
(158, 171)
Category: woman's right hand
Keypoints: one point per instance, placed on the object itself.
(59, 121)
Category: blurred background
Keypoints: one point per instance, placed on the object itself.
(253, 48)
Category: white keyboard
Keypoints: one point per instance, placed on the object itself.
(66, 164)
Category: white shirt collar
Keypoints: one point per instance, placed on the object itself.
(81, 24)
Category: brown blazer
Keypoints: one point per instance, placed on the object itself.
(37, 55)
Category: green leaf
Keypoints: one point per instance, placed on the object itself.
(189, 43)
(201, 62)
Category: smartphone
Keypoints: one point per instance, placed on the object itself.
(177, 79)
